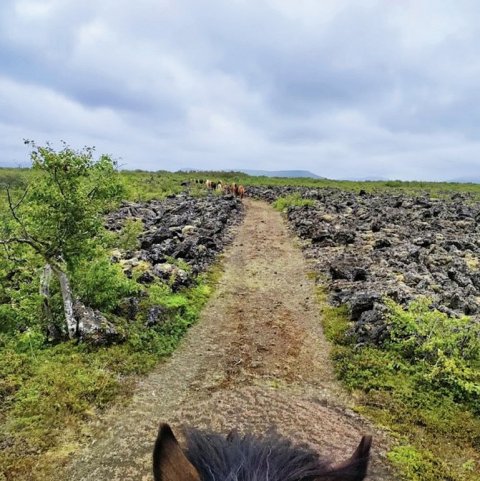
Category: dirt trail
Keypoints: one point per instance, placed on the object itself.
(256, 359)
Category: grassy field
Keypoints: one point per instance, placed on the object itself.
(143, 185)
(146, 185)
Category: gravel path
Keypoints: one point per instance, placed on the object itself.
(256, 359)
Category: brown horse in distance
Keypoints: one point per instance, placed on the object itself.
(241, 191)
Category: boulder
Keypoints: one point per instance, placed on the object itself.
(94, 328)
(128, 308)
(157, 315)
(361, 302)
(382, 244)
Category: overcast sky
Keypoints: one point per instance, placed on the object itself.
(344, 88)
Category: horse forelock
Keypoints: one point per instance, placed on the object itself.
(249, 458)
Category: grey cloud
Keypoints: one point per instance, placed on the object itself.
(337, 87)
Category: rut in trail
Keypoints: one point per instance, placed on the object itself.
(256, 359)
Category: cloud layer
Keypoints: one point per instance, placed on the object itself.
(344, 88)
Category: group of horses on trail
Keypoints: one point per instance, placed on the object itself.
(233, 188)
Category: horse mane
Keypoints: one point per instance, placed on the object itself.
(250, 458)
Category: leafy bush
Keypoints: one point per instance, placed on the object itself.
(102, 284)
(446, 350)
(423, 383)
(128, 239)
(56, 221)
(21, 306)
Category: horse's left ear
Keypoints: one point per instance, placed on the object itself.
(169, 461)
(355, 469)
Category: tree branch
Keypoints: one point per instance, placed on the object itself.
(55, 178)
(19, 240)
(92, 192)
(22, 198)
(39, 246)
(13, 209)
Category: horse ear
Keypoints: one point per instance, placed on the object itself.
(169, 461)
(354, 469)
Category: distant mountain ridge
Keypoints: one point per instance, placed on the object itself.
(281, 173)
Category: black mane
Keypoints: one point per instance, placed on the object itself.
(250, 458)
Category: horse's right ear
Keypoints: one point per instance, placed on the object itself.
(169, 461)
(355, 469)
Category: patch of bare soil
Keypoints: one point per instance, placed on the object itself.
(256, 360)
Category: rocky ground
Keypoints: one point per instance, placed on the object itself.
(372, 246)
(182, 236)
(179, 230)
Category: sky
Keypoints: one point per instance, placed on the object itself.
(343, 88)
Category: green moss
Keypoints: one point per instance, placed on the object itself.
(336, 322)
(416, 465)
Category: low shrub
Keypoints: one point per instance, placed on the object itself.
(445, 350)
(128, 238)
(102, 284)
(293, 200)
(422, 384)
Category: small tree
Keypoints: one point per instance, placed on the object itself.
(60, 213)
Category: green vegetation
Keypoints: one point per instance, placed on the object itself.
(141, 185)
(149, 185)
(128, 239)
(57, 219)
(436, 189)
(423, 384)
(53, 215)
(47, 392)
(104, 284)
(291, 200)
